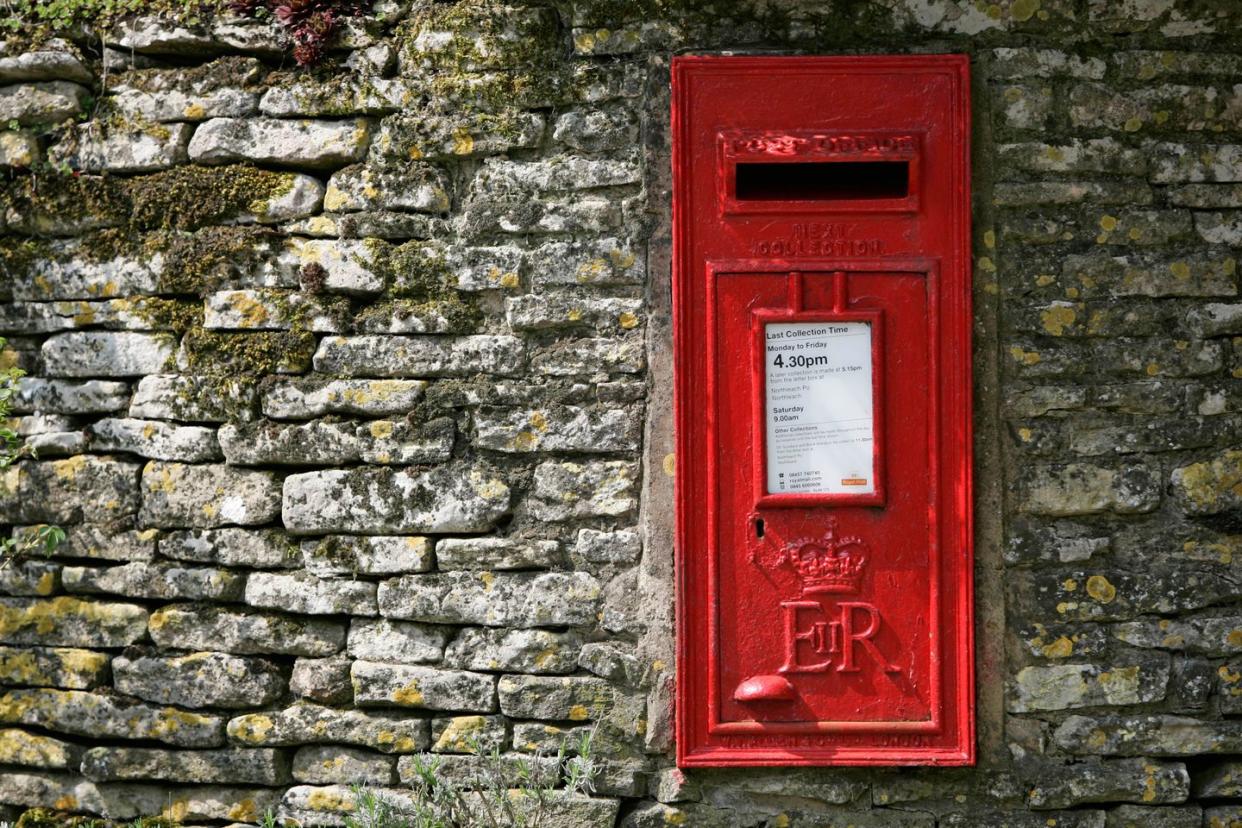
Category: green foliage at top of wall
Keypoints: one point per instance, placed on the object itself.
(35, 17)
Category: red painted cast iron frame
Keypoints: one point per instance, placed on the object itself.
(947, 271)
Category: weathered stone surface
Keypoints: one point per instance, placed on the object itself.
(1211, 635)
(468, 734)
(1114, 594)
(143, 579)
(70, 622)
(332, 765)
(271, 310)
(103, 542)
(596, 547)
(382, 501)
(19, 149)
(1210, 487)
(411, 186)
(1136, 274)
(424, 687)
(434, 136)
(25, 577)
(67, 397)
(71, 669)
(309, 144)
(155, 439)
(1096, 155)
(198, 627)
(376, 555)
(297, 399)
(590, 356)
(89, 714)
(564, 491)
(494, 600)
(1152, 735)
(260, 549)
(323, 680)
(565, 698)
(305, 723)
(260, 766)
(18, 747)
(81, 488)
(312, 444)
(53, 59)
(557, 428)
(106, 354)
(569, 310)
(469, 772)
(162, 95)
(182, 397)
(1219, 780)
(50, 790)
(1182, 162)
(526, 651)
(207, 803)
(176, 495)
(42, 104)
(123, 148)
(349, 266)
(1138, 816)
(382, 640)
(305, 593)
(400, 442)
(496, 553)
(425, 356)
(1085, 488)
(199, 680)
(1124, 780)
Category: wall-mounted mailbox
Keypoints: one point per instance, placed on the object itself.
(823, 393)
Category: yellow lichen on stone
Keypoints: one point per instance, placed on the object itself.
(1022, 356)
(463, 141)
(579, 713)
(329, 800)
(1063, 647)
(1057, 318)
(1099, 588)
(251, 312)
(627, 320)
(409, 694)
(381, 429)
(252, 728)
(459, 733)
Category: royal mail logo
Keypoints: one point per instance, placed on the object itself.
(828, 564)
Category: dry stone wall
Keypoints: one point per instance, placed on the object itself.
(350, 387)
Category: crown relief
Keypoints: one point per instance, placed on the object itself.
(827, 564)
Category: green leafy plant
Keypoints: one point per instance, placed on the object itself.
(42, 539)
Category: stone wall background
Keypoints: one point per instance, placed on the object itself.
(351, 388)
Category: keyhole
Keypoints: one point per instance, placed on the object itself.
(759, 527)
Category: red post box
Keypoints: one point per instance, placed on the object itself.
(821, 213)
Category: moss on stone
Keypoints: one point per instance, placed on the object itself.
(187, 198)
(198, 263)
(79, 199)
(253, 354)
(48, 818)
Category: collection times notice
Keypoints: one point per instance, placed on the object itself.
(820, 429)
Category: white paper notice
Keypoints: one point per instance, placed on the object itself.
(820, 430)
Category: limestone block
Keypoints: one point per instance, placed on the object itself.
(414, 186)
(475, 269)
(305, 723)
(304, 398)
(19, 149)
(260, 549)
(97, 716)
(566, 490)
(374, 555)
(1086, 488)
(261, 766)
(70, 397)
(68, 668)
(323, 680)
(107, 354)
(160, 36)
(598, 129)
(525, 651)
(1012, 62)
(28, 577)
(494, 600)
(1176, 108)
(198, 680)
(497, 553)
(144, 579)
(558, 428)
(304, 593)
(155, 439)
(1102, 274)
(72, 270)
(271, 310)
(469, 772)
(567, 310)
(81, 488)
(18, 747)
(434, 136)
(53, 59)
(1114, 594)
(123, 148)
(1210, 487)
(423, 356)
(105, 542)
(452, 498)
(42, 104)
(1147, 735)
(398, 642)
(350, 265)
(311, 444)
(1136, 680)
(606, 261)
(598, 547)
(176, 495)
(309, 144)
(333, 765)
(1210, 635)
(187, 398)
(582, 213)
(1186, 162)
(502, 177)
(423, 687)
(1095, 155)
(401, 443)
(199, 627)
(589, 356)
(468, 734)
(342, 96)
(130, 801)
(50, 790)
(558, 698)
